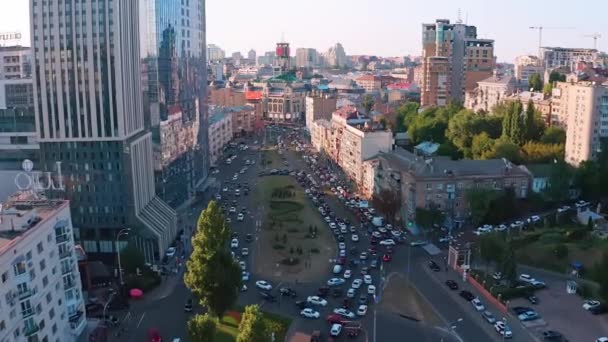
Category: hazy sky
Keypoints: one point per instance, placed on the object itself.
(382, 27)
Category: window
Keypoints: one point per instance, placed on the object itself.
(40, 247)
(28, 255)
(45, 281)
(4, 277)
(54, 329)
(52, 313)
(42, 265)
(19, 268)
(49, 298)
(41, 324)
(2, 326)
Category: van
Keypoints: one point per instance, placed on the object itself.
(337, 269)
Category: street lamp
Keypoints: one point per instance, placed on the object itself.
(124, 231)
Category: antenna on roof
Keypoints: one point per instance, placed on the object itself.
(459, 20)
(282, 37)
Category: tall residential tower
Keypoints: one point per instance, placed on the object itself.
(454, 60)
(91, 116)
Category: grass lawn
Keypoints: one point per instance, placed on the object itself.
(228, 328)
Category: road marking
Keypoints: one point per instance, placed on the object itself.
(141, 319)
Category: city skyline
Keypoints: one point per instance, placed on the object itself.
(389, 18)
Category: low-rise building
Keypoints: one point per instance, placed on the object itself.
(284, 98)
(371, 83)
(320, 135)
(526, 66)
(541, 103)
(243, 119)
(220, 133)
(41, 292)
(226, 97)
(444, 182)
(489, 93)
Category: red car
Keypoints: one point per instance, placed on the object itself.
(341, 261)
(154, 335)
(334, 318)
(386, 257)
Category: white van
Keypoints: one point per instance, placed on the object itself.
(337, 269)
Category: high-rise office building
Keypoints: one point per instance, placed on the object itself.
(336, 57)
(306, 58)
(454, 60)
(252, 56)
(215, 53)
(90, 116)
(174, 77)
(555, 57)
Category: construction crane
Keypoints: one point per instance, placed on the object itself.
(540, 35)
(595, 37)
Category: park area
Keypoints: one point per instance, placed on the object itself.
(295, 244)
(228, 327)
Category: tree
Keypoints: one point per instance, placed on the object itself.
(547, 89)
(508, 264)
(536, 152)
(406, 115)
(491, 248)
(131, 258)
(588, 179)
(387, 202)
(202, 328)
(553, 135)
(534, 126)
(504, 149)
(555, 76)
(481, 145)
(428, 218)
(212, 274)
(449, 150)
(252, 327)
(535, 82)
(517, 124)
(368, 103)
(479, 202)
(560, 178)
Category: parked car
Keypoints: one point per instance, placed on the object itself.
(552, 335)
(590, 304)
(335, 330)
(286, 291)
(467, 295)
(528, 316)
(344, 313)
(477, 304)
(489, 317)
(452, 284)
(433, 266)
(309, 313)
(267, 296)
(335, 282)
(263, 285)
(503, 329)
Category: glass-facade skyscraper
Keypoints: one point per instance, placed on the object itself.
(175, 81)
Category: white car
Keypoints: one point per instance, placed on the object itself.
(327, 218)
(503, 329)
(332, 225)
(240, 217)
(316, 300)
(335, 282)
(309, 313)
(396, 233)
(343, 230)
(263, 284)
(344, 313)
(602, 339)
(382, 230)
(526, 278)
(234, 243)
(170, 252)
(590, 304)
(225, 189)
(377, 235)
(341, 245)
(232, 209)
(347, 274)
(354, 238)
(351, 293)
(534, 218)
(367, 279)
(342, 253)
(335, 330)
(218, 197)
(243, 265)
(245, 251)
(362, 310)
(477, 304)
(356, 283)
(245, 276)
(371, 289)
(388, 242)
(363, 256)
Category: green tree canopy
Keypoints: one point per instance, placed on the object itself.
(560, 178)
(553, 135)
(427, 219)
(368, 103)
(491, 248)
(202, 328)
(465, 124)
(555, 76)
(131, 258)
(508, 264)
(534, 125)
(482, 145)
(504, 148)
(387, 202)
(537, 153)
(588, 179)
(535, 82)
(406, 115)
(212, 274)
(252, 327)
(548, 89)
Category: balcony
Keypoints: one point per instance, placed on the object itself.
(27, 313)
(77, 323)
(30, 330)
(64, 254)
(25, 294)
(69, 284)
(62, 238)
(66, 270)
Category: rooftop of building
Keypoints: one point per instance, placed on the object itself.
(419, 166)
(22, 213)
(14, 48)
(217, 116)
(540, 170)
(526, 96)
(498, 80)
(368, 77)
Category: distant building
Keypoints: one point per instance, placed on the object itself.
(555, 57)
(267, 59)
(217, 71)
(15, 62)
(444, 182)
(226, 97)
(541, 103)
(371, 83)
(540, 176)
(220, 133)
(306, 58)
(336, 57)
(215, 53)
(489, 93)
(319, 106)
(284, 98)
(252, 56)
(243, 119)
(454, 60)
(41, 291)
(582, 109)
(526, 66)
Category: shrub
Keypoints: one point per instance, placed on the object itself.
(561, 251)
(510, 293)
(525, 239)
(278, 246)
(315, 250)
(576, 234)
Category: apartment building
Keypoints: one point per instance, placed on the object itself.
(541, 103)
(371, 83)
(555, 57)
(226, 97)
(307, 58)
(320, 135)
(489, 93)
(319, 105)
(440, 180)
(215, 53)
(285, 99)
(15, 62)
(454, 60)
(40, 288)
(220, 133)
(244, 119)
(582, 109)
(526, 66)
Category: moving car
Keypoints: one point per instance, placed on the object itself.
(477, 304)
(362, 310)
(356, 283)
(489, 317)
(590, 304)
(347, 274)
(344, 313)
(335, 282)
(451, 284)
(188, 306)
(234, 243)
(552, 335)
(387, 242)
(310, 313)
(240, 217)
(351, 293)
(170, 252)
(267, 296)
(386, 257)
(286, 291)
(528, 316)
(433, 266)
(263, 284)
(354, 238)
(367, 279)
(371, 289)
(316, 300)
(335, 330)
(503, 329)
(245, 251)
(245, 276)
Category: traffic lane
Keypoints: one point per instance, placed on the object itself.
(446, 305)
(392, 327)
